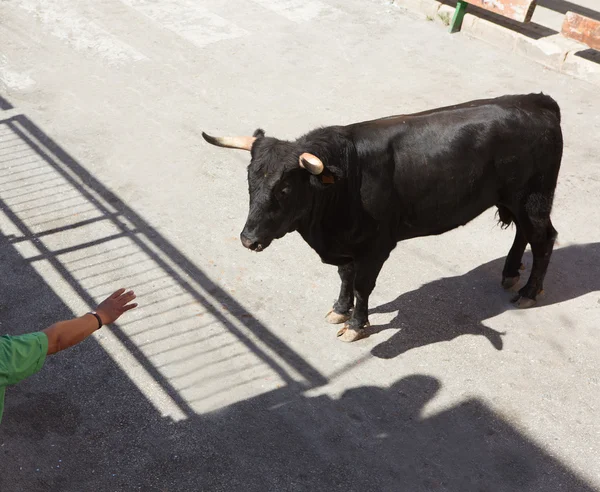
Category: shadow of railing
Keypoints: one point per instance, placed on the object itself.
(4, 104)
(78, 226)
(589, 55)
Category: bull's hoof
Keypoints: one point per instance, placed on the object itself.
(510, 282)
(523, 302)
(348, 334)
(336, 318)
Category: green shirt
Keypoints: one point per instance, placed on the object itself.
(20, 357)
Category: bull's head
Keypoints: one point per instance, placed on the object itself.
(278, 181)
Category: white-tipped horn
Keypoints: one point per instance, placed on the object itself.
(311, 163)
(243, 143)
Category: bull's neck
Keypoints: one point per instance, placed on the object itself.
(332, 225)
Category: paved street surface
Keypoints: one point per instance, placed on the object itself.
(227, 377)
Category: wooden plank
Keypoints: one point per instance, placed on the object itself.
(582, 29)
(519, 10)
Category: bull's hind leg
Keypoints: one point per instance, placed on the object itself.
(512, 265)
(510, 274)
(539, 232)
(342, 308)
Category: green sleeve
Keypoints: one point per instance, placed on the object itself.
(21, 356)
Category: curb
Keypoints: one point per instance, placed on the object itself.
(555, 52)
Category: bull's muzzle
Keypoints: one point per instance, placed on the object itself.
(250, 243)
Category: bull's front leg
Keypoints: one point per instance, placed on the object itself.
(366, 273)
(342, 308)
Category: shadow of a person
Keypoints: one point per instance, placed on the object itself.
(463, 447)
(453, 306)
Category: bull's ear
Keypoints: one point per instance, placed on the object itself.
(311, 163)
(258, 133)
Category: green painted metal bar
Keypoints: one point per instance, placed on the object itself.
(459, 14)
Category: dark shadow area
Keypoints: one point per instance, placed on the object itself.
(4, 104)
(590, 55)
(563, 7)
(82, 425)
(453, 306)
(530, 29)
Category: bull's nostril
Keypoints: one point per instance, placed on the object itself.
(249, 243)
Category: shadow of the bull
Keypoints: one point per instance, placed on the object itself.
(453, 306)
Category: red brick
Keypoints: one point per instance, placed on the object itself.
(582, 29)
(519, 10)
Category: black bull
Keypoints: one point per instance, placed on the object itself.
(354, 191)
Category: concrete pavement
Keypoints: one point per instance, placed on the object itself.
(227, 376)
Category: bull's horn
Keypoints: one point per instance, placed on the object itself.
(244, 143)
(311, 163)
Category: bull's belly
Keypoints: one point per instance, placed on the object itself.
(440, 219)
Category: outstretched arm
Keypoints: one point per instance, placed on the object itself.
(65, 334)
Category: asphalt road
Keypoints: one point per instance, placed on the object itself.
(227, 377)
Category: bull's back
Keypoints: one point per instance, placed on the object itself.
(452, 164)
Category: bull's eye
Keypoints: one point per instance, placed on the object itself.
(283, 193)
